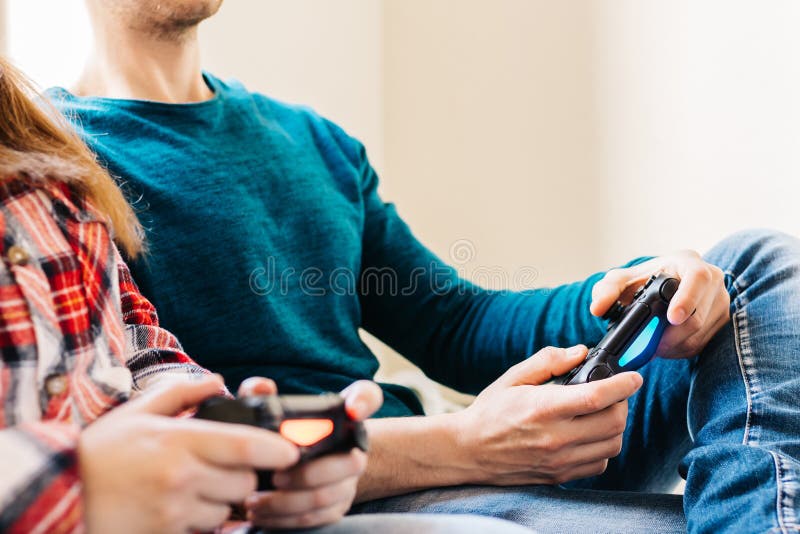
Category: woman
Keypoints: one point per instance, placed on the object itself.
(78, 339)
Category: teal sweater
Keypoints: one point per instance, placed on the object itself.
(269, 247)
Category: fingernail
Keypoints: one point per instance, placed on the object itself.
(356, 408)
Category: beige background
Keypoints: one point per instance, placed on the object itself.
(566, 136)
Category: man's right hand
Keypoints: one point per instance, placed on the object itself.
(146, 471)
(519, 432)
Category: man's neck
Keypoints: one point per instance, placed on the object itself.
(133, 66)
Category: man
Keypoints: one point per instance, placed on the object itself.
(241, 191)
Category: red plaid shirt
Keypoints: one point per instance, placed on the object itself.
(77, 338)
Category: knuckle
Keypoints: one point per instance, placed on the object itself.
(614, 274)
(174, 478)
(320, 498)
(591, 400)
(618, 425)
(552, 443)
(243, 449)
(549, 353)
(702, 272)
(620, 421)
(617, 446)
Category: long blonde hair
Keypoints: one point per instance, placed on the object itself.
(37, 144)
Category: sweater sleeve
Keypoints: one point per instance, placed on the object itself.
(153, 353)
(40, 487)
(459, 334)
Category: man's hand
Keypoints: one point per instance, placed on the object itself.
(145, 471)
(320, 491)
(517, 432)
(699, 309)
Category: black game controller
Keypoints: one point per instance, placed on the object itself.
(317, 424)
(634, 332)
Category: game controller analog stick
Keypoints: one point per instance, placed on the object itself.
(633, 333)
(317, 424)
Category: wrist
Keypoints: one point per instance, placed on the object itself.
(415, 453)
(453, 453)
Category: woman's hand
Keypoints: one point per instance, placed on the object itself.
(699, 309)
(145, 471)
(320, 491)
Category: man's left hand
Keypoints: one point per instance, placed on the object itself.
(699, 309)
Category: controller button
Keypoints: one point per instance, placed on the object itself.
(599, 373)
(306, 432)
(668, 289)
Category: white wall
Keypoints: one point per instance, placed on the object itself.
(48, 39)
(324, 54)
(491, 130)
(571, 136)
(700, 103)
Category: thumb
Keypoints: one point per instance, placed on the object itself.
(615, 284)
(362, 399)
(544, 365)
(175, 397)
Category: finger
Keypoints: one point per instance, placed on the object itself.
(281, 503)
(322, 471)
(206, 516)
(362, 399)
(583, 399)
(615, 283)
(689, 339)
(257, 385)
(696, 283)
(602, 425)
(592, 452)
(583, 471)
(175, 397)
(691, 334)
(315, 518)
(230, 445)
(544, 365)
(224, 485)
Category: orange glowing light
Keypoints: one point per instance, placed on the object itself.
(305, 432)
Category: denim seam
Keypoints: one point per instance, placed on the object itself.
(739, 321)
(787, 517)
(744, 354)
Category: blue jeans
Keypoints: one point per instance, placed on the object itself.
(406, 523)
(728, 421)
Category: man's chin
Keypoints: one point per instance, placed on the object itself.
(167, 18)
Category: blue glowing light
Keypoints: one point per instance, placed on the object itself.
(640, 344)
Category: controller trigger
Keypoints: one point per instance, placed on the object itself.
(614, 312)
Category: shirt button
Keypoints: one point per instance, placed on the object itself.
(55, 385)
(17, 255)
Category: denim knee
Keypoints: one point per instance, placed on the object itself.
(751, 256)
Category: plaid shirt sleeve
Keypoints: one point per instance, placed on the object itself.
(153, 354)
(40, 486)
